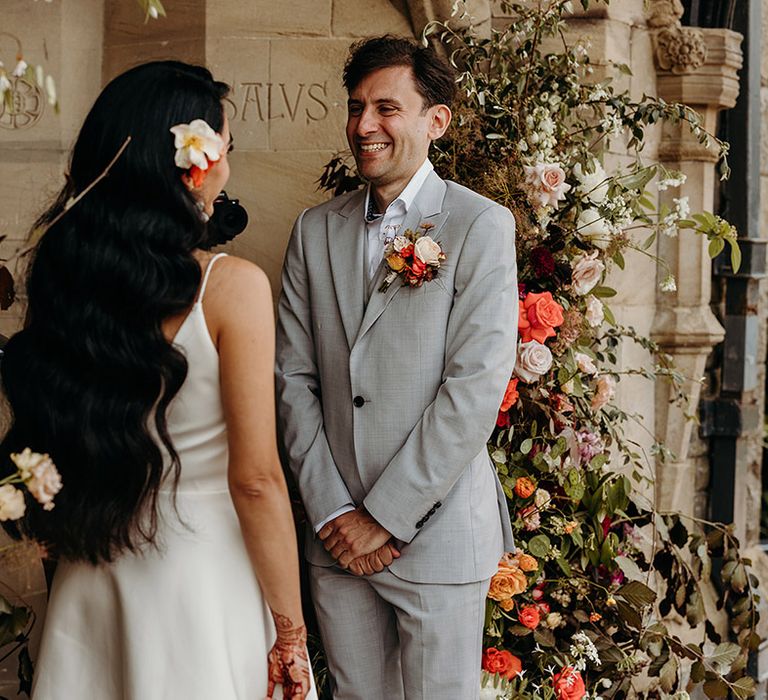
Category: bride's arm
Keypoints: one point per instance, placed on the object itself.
(238, 307)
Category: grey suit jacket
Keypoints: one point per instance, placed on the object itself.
(390, 404)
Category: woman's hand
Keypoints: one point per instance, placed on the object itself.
(288, 662)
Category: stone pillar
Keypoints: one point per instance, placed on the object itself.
(698, 67)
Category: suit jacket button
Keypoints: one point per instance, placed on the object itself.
(358, 401)
(419, 524)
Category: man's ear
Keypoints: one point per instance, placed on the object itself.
(441, 118)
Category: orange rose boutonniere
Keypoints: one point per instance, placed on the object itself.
(414, 257)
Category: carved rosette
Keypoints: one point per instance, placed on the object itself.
(680, 49)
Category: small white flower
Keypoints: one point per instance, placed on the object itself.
(5, 85)
(594, 313)
(44, 482)
(21, 68)
(39, 75)
(50, 90)
(668, 284)
(674, 179)
(400, 242)
(12, 505)
(196, 144)
(682, 207)
(542, 498)
(152, 12)
(585, 363)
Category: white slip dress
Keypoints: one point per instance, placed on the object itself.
(185, 620)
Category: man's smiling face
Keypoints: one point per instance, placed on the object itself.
(388, 128)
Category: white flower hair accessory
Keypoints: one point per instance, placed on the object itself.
(197, 144)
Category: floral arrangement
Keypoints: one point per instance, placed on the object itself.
(581, 609)
(42, 481)
(414, 257)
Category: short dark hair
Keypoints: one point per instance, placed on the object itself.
(434, 77)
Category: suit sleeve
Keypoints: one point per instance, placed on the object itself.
(480, 356)
(300, 413)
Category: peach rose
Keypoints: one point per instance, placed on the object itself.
(527, 563)
(524, 487)
(395, 262)
(568, 684)
(506, 583)
(586, 273)
(501, 661)
(606, 389)
(539, 315)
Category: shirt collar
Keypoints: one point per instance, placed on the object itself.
(405, 198)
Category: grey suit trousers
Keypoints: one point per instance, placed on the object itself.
(390, 639)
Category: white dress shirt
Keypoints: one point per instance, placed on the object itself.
(379, 230)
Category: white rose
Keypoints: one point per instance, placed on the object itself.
(585, 363)
(587, 271)
(44, 483)
(594, 312)
(533, 360)
(12, 504)
(553, 620)
(400, 242)
(593, 185)
(26, 460)
(541, 498)
(547, 181)
(593, 227)
(426, 250)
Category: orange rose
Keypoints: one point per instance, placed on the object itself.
(510, 395)
(395, 262)
(501, 661)
(568, 684)
(541, 314)
(524, 487)
(529, 617)
(506, 583)
(527, 563)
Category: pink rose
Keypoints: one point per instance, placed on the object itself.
(594, 312)
(547, 181)
(587, 271)
(533, 360)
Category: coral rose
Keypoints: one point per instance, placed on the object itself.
(501, 661)
(568, 684)
(529, 617)
(524, 487)
(510, 395)
(539, 315)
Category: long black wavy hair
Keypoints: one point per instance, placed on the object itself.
(90, 377)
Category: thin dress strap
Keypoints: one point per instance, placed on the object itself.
(205, 276)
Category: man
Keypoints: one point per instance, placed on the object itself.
(387, 398)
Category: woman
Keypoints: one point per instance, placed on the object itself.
(145, 369)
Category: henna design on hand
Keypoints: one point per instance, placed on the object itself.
(288, 662)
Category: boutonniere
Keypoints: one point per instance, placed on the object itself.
(413, 256)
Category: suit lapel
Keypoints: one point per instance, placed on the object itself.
(425, 208)
(347, 256)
